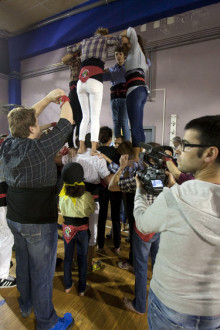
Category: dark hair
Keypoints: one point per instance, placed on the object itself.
(75, 191)
(154, 144)
(105, 134)
(208, 128)
(141, 43)
(121, 49)
(168, 148)
(119, 137)
(126, 147)
(88, 140)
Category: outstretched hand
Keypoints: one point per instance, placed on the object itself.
(55, 94)
(123, 161)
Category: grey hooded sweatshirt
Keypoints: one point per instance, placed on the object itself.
(186, 276)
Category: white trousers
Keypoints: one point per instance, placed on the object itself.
(93, 225)
(90, 96)
(6, 243)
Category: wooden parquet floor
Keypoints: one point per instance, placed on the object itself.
(100, 308)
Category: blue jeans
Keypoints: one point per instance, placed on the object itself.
(161, 317)
(82, 240)
(141, 252)
(36, 250)
(135, 107)
(120, 118)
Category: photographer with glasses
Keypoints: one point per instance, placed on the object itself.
(185, 287)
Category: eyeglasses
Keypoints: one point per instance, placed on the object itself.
(183, 145)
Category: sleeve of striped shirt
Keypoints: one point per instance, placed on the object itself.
(113, 167)
(113, 40)
(73, 48)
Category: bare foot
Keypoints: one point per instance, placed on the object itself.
(101, 251)
(68, 290)
(94, 153)
(82, 293)
(82, 147)
(128, 304)
(94, 146)
(81, 151)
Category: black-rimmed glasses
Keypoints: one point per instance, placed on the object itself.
(183, 145)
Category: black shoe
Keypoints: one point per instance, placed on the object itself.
(59, 262)
(8, 282)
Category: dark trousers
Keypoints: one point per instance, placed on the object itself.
(77, 111)
(129, 206)
(82, 241)
(115, 200)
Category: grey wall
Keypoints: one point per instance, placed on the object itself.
(190, 75)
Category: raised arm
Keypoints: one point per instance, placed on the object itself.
(101, 155)
(51, 97)
(113, 184)
(46, 126)
(74, 48)
(66, 110)
(172, 168)
(131, 35)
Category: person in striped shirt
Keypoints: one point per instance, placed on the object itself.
(94, 51)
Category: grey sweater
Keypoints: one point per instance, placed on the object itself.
(186, 273)
(135, 58)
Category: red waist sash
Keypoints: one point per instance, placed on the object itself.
(2, 195)
(88, 71)
(135, 79)
(70, 231)
(72, 87)
(144, 237)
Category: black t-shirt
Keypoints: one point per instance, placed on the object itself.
(33, 206)
(111, 153)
